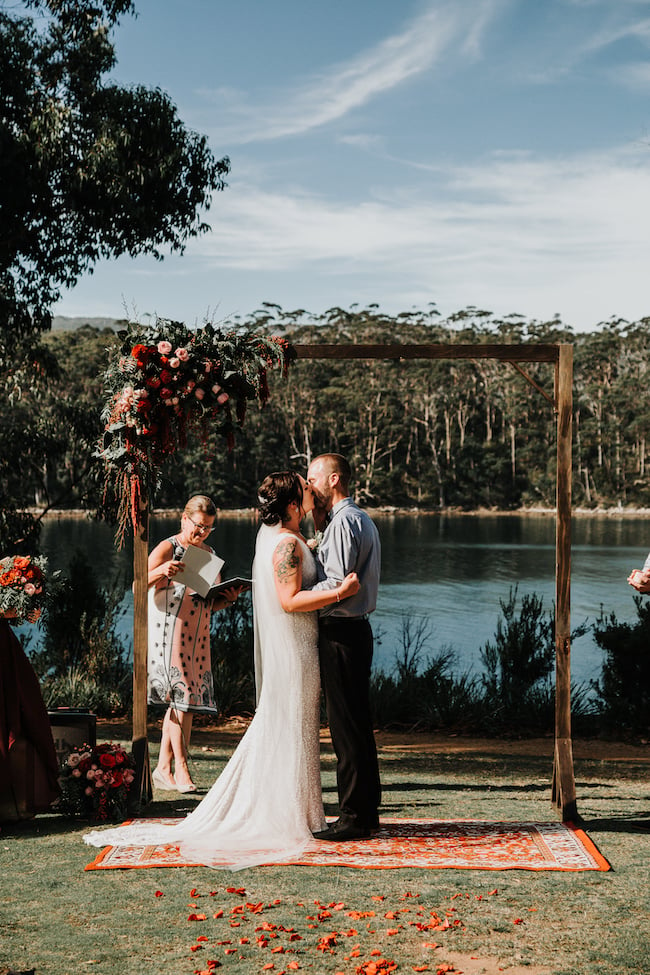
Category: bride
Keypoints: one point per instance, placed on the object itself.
(267, 802)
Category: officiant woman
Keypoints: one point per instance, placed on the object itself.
(180, 670)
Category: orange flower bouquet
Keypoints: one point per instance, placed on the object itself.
(22, 586)
(95, 783)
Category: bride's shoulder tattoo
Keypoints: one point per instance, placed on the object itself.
(286, 559)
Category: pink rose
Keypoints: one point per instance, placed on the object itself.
(76, 773)
(30, 589)
(216, 388)
(222, 398)
(174, 363)
(164, 348)
(199, 393)
(73, 760)
(182, 354)
(88, 790)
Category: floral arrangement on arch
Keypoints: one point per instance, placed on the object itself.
(22, 586)
(95, 783)
(166, 380)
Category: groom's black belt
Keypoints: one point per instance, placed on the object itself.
(342, 619)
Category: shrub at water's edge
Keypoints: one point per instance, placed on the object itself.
(82, 663)
(623, 691)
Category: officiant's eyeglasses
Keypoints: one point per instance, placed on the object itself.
(202, 529)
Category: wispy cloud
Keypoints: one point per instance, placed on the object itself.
(635, 76)
(333, 93)
(514, 234)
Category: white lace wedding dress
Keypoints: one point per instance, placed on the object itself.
(267, 801)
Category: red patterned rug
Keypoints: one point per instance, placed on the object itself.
(431, 844)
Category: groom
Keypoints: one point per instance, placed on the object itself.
(350, 543)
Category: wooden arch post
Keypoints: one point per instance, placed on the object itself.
(139, 744)
(564, 787)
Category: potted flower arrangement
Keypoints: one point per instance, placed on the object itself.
(22, 587)
(95, 782)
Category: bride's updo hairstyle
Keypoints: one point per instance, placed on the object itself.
(276, 492)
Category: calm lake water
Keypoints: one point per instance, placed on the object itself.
(448, 571)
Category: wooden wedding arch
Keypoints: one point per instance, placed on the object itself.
(563, 790)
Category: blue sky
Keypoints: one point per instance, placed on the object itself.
(493, 153)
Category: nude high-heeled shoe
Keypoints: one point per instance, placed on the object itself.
(162, 782)
(190, 787)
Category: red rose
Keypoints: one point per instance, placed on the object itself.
(142, 353)
(107, 761)
(118, 780)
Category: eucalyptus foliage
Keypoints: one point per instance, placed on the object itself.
(88, 169)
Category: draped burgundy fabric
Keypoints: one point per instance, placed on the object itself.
(23, 716)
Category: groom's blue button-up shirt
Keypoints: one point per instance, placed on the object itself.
(350, 543)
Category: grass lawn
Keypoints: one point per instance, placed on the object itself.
(58, 920)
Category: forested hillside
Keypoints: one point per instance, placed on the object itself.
(429, 434)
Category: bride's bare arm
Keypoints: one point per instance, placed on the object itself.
(287, 572)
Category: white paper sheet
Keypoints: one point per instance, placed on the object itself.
(201, 569)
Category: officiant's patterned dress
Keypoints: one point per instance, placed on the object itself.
(179, 671)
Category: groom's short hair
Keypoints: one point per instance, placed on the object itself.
(337, 464)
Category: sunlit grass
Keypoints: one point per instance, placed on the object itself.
(59, 920)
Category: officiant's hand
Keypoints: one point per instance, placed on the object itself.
(228, 596)
(172, 568)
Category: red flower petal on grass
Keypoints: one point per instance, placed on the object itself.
(236, 890)
(421, 968)
(218, 914)
(159, 893)
(202, 937)
(197, 917)
(518, 920)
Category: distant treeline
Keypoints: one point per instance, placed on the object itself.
(429, 434)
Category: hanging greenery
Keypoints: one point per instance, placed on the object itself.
(165, 382)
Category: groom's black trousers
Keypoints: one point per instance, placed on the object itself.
(345, 648)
